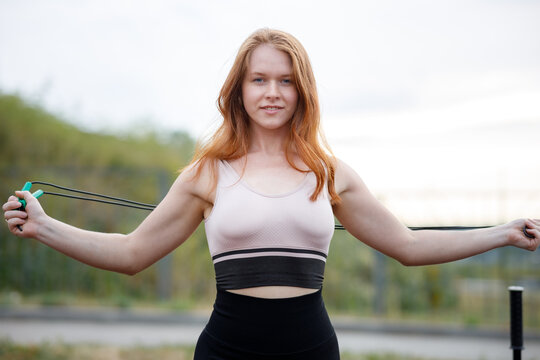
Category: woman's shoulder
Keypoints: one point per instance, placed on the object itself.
(345, 176)
(199, 178)
(197, 168)
(340, 167)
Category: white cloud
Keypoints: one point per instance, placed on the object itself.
(109, 62)
(474, 114)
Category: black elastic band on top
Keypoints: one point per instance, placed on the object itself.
(262, 250)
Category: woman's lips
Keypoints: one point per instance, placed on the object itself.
(271, 109)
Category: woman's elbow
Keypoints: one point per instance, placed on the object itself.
(132, 267)
(130, 270)
(406, 261)
(133, 259)
(400, 256)
(128, 267)
(405, 255)
(410, 258)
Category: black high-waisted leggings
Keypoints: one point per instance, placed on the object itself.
(249, 328)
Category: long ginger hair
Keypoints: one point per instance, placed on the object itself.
(231, 139)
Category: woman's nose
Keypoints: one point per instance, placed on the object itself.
(272, 90)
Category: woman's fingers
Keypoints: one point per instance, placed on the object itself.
(32, 204)
(11, 208)
(24, 223)
(532, 225)
(532, 230)
(11, 204)
(524, 234)
(14, 222)
(11, 212)
(15, 214)
(14, 217)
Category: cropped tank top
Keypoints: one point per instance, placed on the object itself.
(258, 239)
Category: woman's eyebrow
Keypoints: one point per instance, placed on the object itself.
(258, 73)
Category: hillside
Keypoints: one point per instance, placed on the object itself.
(36, 145)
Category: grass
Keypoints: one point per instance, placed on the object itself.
(56, 298)
(61, 351)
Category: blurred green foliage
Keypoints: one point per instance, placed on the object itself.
(37, 145)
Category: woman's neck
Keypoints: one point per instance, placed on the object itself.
(268, 142)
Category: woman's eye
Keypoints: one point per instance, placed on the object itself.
(258, 80)
(286, 81)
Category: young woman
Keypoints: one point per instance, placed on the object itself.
(268, 189)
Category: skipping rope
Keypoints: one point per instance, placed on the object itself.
(111, 200)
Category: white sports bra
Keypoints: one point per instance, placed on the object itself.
(268, 240)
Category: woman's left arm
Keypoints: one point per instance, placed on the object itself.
(370, 222)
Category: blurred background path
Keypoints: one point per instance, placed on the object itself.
(129, 328)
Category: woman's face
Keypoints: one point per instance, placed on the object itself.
(268, 92)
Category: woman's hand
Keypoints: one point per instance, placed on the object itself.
(23, 223)
(517, 237)
(370, 222)
(164, 229)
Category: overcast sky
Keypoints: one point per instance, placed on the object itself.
(402, 83)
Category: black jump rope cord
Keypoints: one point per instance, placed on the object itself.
(130, 205)
(150, 207)
(119, 201)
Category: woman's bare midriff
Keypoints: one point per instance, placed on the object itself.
(274, 292)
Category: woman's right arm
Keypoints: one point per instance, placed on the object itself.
(165, 228)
